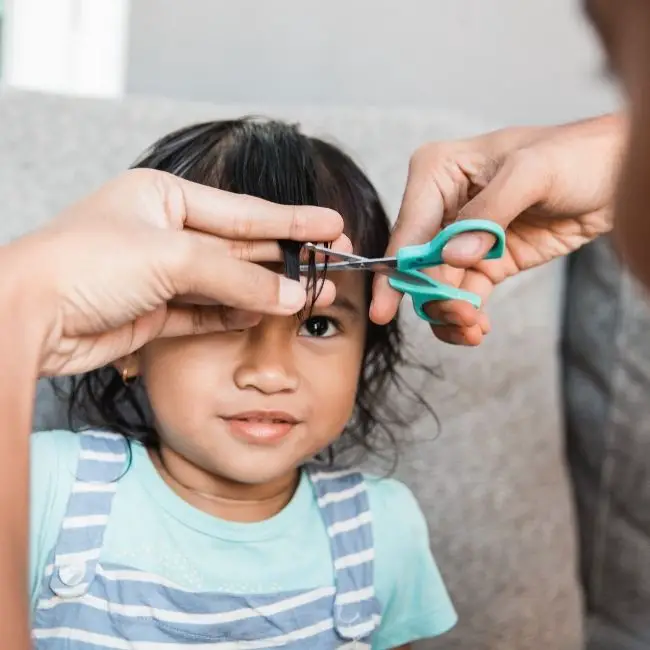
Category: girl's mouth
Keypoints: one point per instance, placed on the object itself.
(261, 427)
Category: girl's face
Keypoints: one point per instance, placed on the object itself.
(251, 406)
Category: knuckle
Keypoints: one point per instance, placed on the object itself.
(242, 225)
(425, 155)
(241, 250)
(165, 189)
(197, 316)
(419, 157)
(297, 223)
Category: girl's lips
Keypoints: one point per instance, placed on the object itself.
(261, 427)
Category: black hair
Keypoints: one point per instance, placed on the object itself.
(274, 161)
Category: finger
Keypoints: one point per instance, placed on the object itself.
(194, 266)
(460, 312)
(206, 319)
(239, 216)
(419, 218)
(325, 296)
(96, 350)
(468, 336)
(261, 250)
(325, 293)
(385, 301)
(194, 320)
(249, 250)
(520, 183)
(196, 269)
(444, 274)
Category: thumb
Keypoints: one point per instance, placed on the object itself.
(521, 182)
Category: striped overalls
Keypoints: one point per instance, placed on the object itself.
(86, 604)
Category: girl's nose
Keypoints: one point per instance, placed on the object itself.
(267, 364)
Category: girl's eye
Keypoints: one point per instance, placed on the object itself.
(319, 326)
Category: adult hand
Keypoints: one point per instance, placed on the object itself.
(120, 267)
(550, 188)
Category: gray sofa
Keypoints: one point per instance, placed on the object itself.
(493, 479)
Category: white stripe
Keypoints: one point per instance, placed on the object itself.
(122, 644)
(342, 495)
(357, 596)
(78, 558)
(355, 645)
(83, 488)
(179, 617)
(362, 629)
(324, 476)
(349, 524)
(107, 435)
(131, 576)
(107, 456)
(70, 634)
(84, 521)
(139, 576)
(354, 559)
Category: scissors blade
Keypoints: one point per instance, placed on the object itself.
(373, 267)
(405, 277)
(360, 264)
(348, 257)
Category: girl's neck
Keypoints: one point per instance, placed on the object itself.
(219, 496)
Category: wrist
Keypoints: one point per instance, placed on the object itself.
(24, 310)
(21, 338)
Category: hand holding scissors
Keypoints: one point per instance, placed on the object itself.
(404, 270)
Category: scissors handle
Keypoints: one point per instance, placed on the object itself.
(412, 258)
(434, 292)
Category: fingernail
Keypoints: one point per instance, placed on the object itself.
(292, 295)
(464, 246)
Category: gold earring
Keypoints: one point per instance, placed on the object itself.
(125, 375)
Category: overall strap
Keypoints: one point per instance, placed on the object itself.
(343, 501)
(102, 461)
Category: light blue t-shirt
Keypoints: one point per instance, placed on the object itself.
(152, 529)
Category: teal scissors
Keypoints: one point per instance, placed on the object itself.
(403, 270)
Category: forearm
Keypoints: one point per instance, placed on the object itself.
(507, 140)
(20, 342)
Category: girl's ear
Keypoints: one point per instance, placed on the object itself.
(128, 366)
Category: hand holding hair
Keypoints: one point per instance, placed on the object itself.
(119, 268)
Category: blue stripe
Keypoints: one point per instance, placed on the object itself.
(98, 471)
(76, 615)
(114, 444)
(89, 503)
(326, 640)
(76, 540)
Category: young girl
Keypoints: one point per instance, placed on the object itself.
(203, 505)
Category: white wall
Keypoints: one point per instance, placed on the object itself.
(507, 61)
